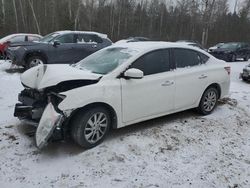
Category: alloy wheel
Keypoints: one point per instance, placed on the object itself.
(210, 101)
(36, 62)
(96, 127)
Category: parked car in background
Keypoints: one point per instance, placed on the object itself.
(232, 51)
(58, 48)
(118, 86)
(245, 75)
(133, 39)
(16, 38)
(215, 47)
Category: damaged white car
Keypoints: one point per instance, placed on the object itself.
(119, 86)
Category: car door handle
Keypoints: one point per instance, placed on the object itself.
(203, 76)
(94, 46)
(168, 83)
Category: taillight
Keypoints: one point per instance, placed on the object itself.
(228, 69)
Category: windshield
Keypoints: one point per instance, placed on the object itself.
(49, 37)
(105, 61)
(219, 45)
(232, 45)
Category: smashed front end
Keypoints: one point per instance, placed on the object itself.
(38, 102)
(40, 110)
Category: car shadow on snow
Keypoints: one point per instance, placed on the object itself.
(54, 148)
(10, 68)
(15, 70)
(68, 147)
(149, 124)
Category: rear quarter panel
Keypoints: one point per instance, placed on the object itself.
(217, 74)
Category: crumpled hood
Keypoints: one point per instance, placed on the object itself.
(44, 76)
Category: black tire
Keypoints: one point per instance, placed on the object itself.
(233, 58)
(1, 56)
(81, 127)
(245, 80)
(204, 107)
(246, 58)
(31, 61)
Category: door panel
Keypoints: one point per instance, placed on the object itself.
(154, 93)
(64, 52)
(148, 96)
(191, 77)
(190, 84)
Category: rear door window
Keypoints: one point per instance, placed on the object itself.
(153, 62)
(33, 38)
(188, 58)
(88, 38)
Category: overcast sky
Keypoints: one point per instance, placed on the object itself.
(231, 4)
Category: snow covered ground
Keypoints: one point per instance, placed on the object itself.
(180, 150)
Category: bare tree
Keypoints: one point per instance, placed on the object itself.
(3, 12)
(34, 16)
(207, 15)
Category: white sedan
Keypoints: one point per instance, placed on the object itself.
(119, 86)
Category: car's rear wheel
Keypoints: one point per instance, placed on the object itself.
(90, 127)
(246, 58)
(244, 79)
(34, 61)
(208, 101)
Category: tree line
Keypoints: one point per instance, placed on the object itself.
(206, 21)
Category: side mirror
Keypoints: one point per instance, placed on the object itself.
(56, 43)
(7, 42)
(133, 74)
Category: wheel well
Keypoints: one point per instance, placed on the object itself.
(40, 54)
(97, 104)
(217, 87)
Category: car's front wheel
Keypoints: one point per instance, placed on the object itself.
(208, 101)
(34, 61)
(232, 57)
(1, 55)
(89, 127)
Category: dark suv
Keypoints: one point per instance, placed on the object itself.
(58, 47)
(231, 51)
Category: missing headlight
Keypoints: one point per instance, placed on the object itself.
(55, 99)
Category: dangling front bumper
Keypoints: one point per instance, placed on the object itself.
(50, 121)
(34, 109)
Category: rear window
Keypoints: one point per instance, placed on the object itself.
(189, 58)
(88, 38)
(20, 38)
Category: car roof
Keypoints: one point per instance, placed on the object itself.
(4, 39)
(148, 45)
(82, 32)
